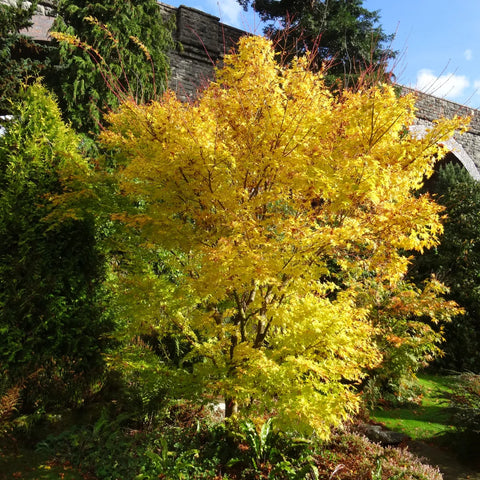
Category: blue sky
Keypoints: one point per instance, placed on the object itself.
(229, 12)
(438, 41)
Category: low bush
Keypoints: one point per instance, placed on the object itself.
(187, 445)
(351, 456)
(119, 446)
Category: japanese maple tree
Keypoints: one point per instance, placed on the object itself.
(277, 204)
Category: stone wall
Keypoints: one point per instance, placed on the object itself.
(42, 20)
(44, 7)
(202, 44)
(201, 38)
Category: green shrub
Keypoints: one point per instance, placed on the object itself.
(265, 452)
(131, 41)
(20, 57)
(186, 445)
(53, 319)
(456, 262)
(120, 446)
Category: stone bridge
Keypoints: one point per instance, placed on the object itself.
(203, 41)
(465, 148)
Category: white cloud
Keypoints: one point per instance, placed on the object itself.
(447, 85)
(229, 11)
(476, 88)
(468, 54)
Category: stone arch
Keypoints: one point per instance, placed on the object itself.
(455, 148)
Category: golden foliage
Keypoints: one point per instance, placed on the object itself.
(8, 402)
(280, 204)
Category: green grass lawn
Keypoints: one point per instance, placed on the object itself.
(431, 418)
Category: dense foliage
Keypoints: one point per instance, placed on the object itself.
(342, 32)
(186, 445)
(411, 322)
(51, 270)
(280, 206)
(19, 55)
(456, 262)
(118, 48)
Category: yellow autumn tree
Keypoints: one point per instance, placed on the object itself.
(279, 205)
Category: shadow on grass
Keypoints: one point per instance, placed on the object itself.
(421, 423)
(430, 419)
(428, 414)
(29, 465)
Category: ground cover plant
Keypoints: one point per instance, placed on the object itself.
(30, 465)
(351, 456)
(188, 445)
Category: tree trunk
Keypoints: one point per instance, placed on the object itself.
(231, 407)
